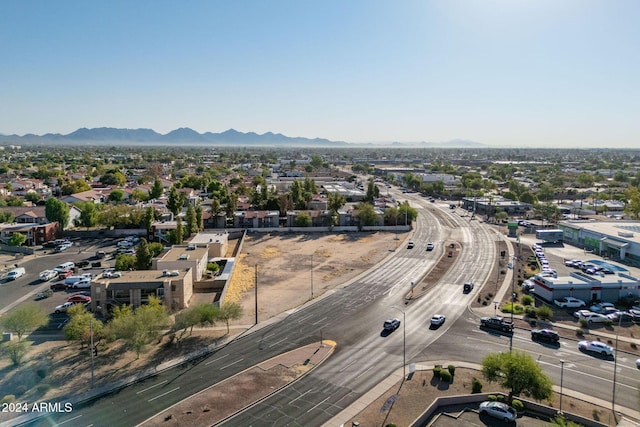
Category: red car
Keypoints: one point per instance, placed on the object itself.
(64, 274)
(79, 298)
(60, 286)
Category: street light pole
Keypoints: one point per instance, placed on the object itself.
(404, 343)
(92, 347)
(615, 369)
(561, 377)
(256, 289)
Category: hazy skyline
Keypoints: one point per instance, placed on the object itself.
(543, 73)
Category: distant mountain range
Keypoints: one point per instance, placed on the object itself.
(189, 137)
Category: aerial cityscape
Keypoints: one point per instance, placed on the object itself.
(320, 214)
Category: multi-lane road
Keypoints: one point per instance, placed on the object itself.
(352, 316)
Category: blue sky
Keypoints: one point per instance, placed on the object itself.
(546, 73)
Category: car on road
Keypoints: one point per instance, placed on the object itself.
(16, 273)
(437, 319)
(410, 245)
(430, 246)
(569, 302)
(83, 263)
(79, 298)
(638, 363)
(546, 335)
(596, 347)
(47, 275)
(64, 307)
(467, 287)
(391, 325)
(498, 410)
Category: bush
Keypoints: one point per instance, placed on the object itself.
(390, 425)
(8, 398)
(492, 398)
(476, 385)
(579, 332)
(533, 322)
(41, 372)
(527, 300)
(500, 398)
(451, 369)
(21, 389)
(436, 371)
(517, 405)
(583, 323)
(608, 322)
(445, 376)
(43, 388)
(517, 308)
(544, 312)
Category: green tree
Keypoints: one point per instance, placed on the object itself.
(155, 249)
(6, 217)
(156, 190)
(175, 202)
(125, 262)
(24, 318)
(366, 214)
(114, 178)
(406, 212)
(149, 217)
(518, 372)
(229, 311)
(81, 325)
(632, 207)
(303, 219)
(15, 350)
(88, 214)
(335, 202)
(192, 225)
(116, 196)
(199, 218)
(17, 239)
(179, 232)
(57, 211)
(143, 256)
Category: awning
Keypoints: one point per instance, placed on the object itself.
(615, 243)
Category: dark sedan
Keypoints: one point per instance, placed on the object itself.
(545, 335)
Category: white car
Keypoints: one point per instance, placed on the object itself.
(582, 313)
(437, 319)
(47, 275)
(64, 307)
(599, 308)
(82, 284)
(569, 302)
(596, 347)
(125, 244)
(638, 363)
(595, 318)
(498, 410)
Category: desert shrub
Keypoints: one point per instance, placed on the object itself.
(41, 372)
(608, 322)
(445, 376)
(544, 312)
(583, 323)
(527, 300)
(8, 398)
(436, 371)
(492, 398)
(451, 369)
(533, 322)
(516, 308)
(517, 405)
(531, 312)
(634, 345)
(579, 332)
(21, 389)
(390, 425)
(43, 388)
(476, 385)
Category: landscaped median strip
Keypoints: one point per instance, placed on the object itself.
(225, 399)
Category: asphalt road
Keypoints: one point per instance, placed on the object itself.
(352, 316)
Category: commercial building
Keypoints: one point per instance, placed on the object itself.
(609, 288)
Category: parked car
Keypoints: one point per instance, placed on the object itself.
(81, 284)
(47, 275)
(64, 274)
(391, 325)
(59, 286)
(569, 302)
(571, 262)
(596, 347)
(595, 318)
(622, 317)
(546, 335)
(64, 307)
(83, 263)
(125, 244)
(638, 363)
(580, 313)
(599, 307)
(437, 319)
(498, 410)
(430, 246)
(79, 298)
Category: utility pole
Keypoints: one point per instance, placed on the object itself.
(561, 375)
(92, 347)
(311, 258)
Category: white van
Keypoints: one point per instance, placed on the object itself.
(65, 266)
(73, 279)
(16, 273)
